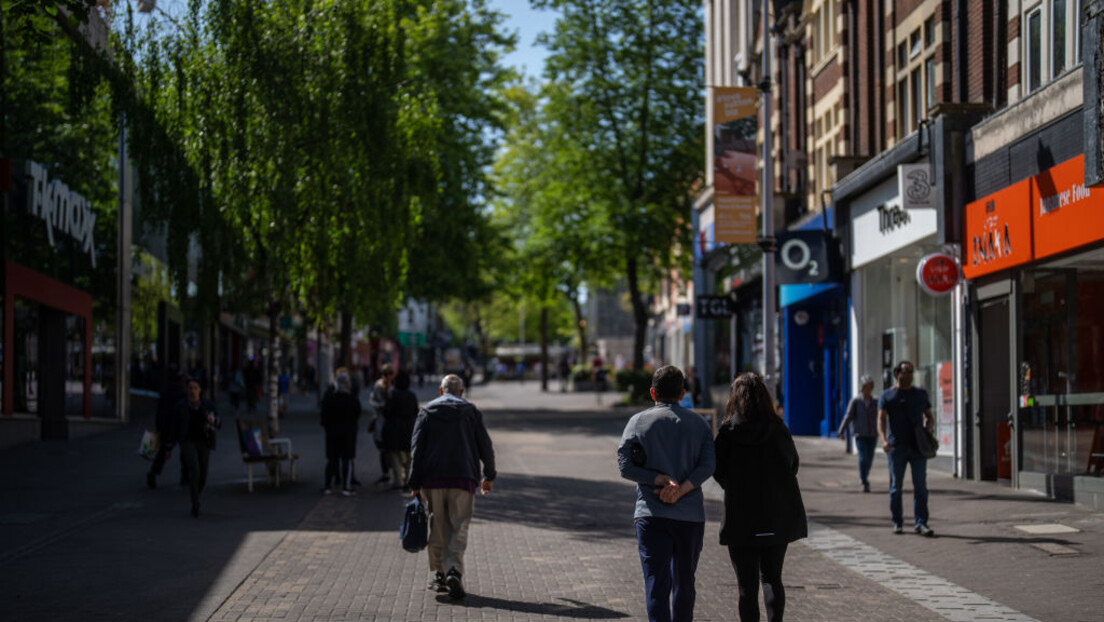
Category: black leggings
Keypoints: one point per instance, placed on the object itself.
(197, 458)
(755, 563)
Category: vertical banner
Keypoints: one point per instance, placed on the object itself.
(735, 122)
(944, 414)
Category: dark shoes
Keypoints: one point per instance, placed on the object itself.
(195, 510)
(454, 585)
(866, 487)
(437, 583)
(151, 480)
(897, 530)
(925, 531)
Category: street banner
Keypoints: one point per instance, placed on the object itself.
(735, 122)
(945, 413)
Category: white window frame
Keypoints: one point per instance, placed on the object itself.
(1029, 75)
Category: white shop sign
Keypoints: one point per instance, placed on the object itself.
(61, 209)
(880, 225)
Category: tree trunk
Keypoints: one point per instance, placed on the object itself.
(544, 347)
(273, 369)
(640, 314)
(580, 326)
(346, 359)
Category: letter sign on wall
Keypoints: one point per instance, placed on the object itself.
(714, 307)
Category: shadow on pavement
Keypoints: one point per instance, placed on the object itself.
(576, 609)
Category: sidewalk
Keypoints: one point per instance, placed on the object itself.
(81, 536)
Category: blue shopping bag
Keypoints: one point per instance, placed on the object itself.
(414, 530)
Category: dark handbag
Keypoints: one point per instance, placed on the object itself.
(926, 442)
(414, 530)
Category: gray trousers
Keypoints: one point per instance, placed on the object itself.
(450, 512)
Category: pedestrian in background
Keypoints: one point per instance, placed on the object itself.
(340, 416)
(377, 399)
(237, 385)
(862, 417)
(173, 393)
(450, 441)
(399, 414)
(252, 375)
(901, 409)
(668, 451)
(757, 468)
(195, 422)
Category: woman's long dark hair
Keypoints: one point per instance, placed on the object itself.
(748, 400)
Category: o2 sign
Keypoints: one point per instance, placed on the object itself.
(806, 257)
(937, 274)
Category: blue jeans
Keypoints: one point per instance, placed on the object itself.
(899, 458)
(669, 551)
(866, 445)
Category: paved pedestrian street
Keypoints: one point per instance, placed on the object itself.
(554, 540)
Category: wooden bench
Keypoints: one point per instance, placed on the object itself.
(257, 448)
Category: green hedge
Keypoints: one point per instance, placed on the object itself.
(636, 384)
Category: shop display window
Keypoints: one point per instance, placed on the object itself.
(26, 356)
(74, 366)
(1061, 384)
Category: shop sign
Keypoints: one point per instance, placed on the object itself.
(806, 257)
(880, 225)
(998, 231)
(61, 209)
(1066, 214)
(916, 186)
(715, 307)
(937, 274)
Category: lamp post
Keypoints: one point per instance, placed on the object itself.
(767, 240)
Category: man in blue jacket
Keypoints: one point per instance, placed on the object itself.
(668, 451)
(449, 442)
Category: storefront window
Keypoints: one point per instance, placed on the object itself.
(902, 322)
(74, 365)
(26, 357)
(103, 368)
(151, 287)
(1062, 370)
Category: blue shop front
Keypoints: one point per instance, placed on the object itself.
(813, 306)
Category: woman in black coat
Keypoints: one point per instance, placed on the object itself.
(757, 467)
(399, 414)
(340, 412)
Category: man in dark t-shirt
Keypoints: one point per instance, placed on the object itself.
(900, 409)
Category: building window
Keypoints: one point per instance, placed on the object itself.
(902, 56)
(914, 44)
(1034, 50)
(929, 86)
(929, 32)
(1058, 37)
(902, 109)
(915, 76)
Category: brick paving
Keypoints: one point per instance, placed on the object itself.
(554, 541)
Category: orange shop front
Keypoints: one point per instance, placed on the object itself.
(1034, 255)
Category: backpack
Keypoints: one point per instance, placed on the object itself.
(414, 530)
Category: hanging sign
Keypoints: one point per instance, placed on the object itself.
(735, 123)
(937, 274)
(916, 186)
(806, 257)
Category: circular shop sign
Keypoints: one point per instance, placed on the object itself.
(937, 274)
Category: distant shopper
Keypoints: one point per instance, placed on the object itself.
(901, 409)
(377, 399)
(450, 441)
(399, 414)
(253, 379)
(237, 385)
(757, 468)
(668, 451)
(862, 416)
(340, 414)
(195, 422)
(565, 374)
(173, 393)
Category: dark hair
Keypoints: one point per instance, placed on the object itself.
(897, 367)
(402, 380)
(668, 382)
(196, 380)
(748, 400)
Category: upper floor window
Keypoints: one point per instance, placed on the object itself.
(1051, 41)
(915, 76)
(823, 26)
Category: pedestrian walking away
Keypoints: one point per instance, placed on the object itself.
(340, 416)
(901, 409)
(399, 414)
(757, 468)
(668, 451)
(450, 441)
(195, 423)
(862, 417)
(377, 399)
(173, 393)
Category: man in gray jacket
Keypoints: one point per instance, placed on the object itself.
(668, 451)
(448, 445)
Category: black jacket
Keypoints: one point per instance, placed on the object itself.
(399, 414)
(757, 467)
(340, 412)
(450, 440)
(189, 424)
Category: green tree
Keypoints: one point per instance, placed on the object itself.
(627, 78)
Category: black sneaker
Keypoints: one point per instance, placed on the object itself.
(437, 582)
(897, 530)
(455, 586)
(866, 487)
(925, 531)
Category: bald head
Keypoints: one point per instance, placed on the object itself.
(453, 385)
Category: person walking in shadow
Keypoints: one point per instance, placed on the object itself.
(757, 468)
(340, 416)
(195, 424)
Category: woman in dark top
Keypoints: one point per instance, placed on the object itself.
(399, 415)
(757, 467)
(195, 422)
(340, 412)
